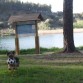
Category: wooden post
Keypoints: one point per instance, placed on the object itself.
(37, 39)
(16, 41)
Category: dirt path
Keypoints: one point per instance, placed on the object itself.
(56, 58)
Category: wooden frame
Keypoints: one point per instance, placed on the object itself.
(37, 47)
(26, 19)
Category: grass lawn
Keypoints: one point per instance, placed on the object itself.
(56, 68)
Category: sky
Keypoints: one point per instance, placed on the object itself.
(57, 5)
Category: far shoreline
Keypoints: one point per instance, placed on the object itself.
(58, 31)
(40, 32)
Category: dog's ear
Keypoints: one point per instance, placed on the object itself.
(13, 52)
(7, 53)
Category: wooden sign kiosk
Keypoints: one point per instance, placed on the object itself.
(26, 19)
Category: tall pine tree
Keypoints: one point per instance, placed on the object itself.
(68, 26)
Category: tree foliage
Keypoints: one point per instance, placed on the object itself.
(15, 7)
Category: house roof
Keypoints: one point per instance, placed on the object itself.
(26, 17)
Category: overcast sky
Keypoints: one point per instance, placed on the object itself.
(57, 5)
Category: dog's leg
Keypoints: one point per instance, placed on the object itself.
(9, 67)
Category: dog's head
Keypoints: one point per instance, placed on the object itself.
(11, 54)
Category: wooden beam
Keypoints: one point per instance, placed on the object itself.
(37, 47)
(16, 41)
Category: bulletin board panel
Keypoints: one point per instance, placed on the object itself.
(28, 29)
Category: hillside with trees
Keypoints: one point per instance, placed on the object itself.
(15, 7)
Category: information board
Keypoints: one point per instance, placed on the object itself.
(26, 29)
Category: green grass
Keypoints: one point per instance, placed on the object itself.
(42, 50)
(32, 51)
(42, 69)
(37, 74)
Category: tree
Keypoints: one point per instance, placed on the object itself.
(8, 0)
(68, 26)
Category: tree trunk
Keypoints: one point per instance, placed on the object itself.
(68, 26)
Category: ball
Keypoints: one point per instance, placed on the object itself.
(11, 61)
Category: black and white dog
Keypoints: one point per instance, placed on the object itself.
(12, 61)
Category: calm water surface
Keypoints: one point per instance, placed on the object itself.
(47, 41)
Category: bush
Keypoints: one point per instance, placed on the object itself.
(44, 25)
(78, 24)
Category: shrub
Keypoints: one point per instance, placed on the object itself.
(78, 24)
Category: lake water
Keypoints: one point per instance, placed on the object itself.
(47, 41)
